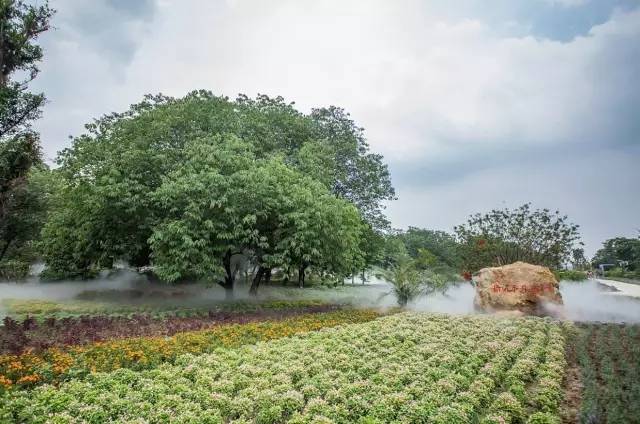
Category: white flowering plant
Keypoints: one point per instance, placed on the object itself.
(405, 368)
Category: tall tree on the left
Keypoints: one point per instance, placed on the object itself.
(20, 204)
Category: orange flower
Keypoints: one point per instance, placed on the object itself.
(28, 379)
(4, 381)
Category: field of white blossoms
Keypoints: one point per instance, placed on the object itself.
(408, 368)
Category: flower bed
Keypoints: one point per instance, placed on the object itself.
(58, 364)
(402, 368)
(18, 336)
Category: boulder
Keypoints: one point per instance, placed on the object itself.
(516, 287)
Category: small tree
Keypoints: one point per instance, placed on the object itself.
(409, 279)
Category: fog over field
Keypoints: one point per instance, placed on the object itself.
(583, 300)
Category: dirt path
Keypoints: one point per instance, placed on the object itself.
(624, 289)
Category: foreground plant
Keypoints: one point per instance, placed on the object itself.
(58, 364)
(608, 356)
(406, 367)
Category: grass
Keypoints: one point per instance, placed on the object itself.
(41, 309)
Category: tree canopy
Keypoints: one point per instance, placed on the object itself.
(21, 203)
(500, 237)
(215, 177)
(619, 251)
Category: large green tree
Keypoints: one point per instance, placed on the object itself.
(112, 172)
(503, 236)
(221, 203)
(21, 204)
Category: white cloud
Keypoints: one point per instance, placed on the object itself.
(431, 87)
(597, 190)
(422, 86)
(567, 3)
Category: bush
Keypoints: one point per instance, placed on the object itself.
(14, 269)
(615, 272)
(570, 275)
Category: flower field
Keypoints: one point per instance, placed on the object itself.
(58, 364)
(407, 367)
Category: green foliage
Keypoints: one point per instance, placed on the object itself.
(120, 178)
(21, 26)
(505, 236)
(393, 252)
(434, 253)
(440, 244)
(409, 279)
(578, 260)
(623, 275)
(619, 251)
(570, 275)
(13, 269)
(21, 207)
(223, 200)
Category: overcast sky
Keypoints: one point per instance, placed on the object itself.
(477, 105)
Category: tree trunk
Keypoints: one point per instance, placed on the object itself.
(256, 281)
(229, 276)
(5, 248)
(363, 277)
(301, 271)
(267, 275)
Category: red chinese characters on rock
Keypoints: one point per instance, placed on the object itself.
(510, 288)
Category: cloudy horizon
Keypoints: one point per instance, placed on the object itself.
(481, 106)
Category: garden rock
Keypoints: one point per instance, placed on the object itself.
(516, 287)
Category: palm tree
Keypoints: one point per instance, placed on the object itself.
(408, 281)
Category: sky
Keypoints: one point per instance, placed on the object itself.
(475, 104)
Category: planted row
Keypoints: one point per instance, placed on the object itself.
(609, 359)
(402, 368)
(59, 364)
